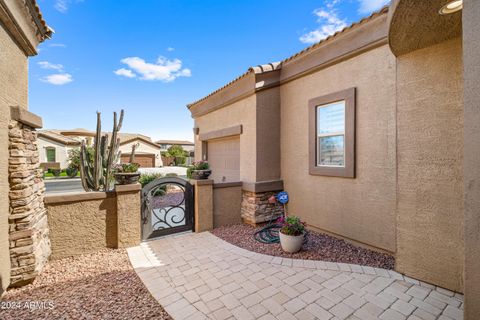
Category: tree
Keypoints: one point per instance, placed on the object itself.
(178, 153)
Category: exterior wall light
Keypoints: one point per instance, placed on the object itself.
(451, 7)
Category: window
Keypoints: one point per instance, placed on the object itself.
(50, 154)
(332, 134)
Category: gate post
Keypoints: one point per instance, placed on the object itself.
(203, 198)
(128, 215)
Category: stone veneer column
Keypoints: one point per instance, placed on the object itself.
(28, 228)
(256, 208)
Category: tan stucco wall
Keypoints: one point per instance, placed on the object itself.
(82, 226)
(142, 147)
(471, 70)
(239, 113)
(226, 205)
(13, 91)
(430, 149)
(363, 208)
(203, 206)
(128, 215)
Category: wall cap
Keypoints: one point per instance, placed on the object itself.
(121, 188)
(26, 117)
(227, 184)
(263, 186)
(201, 182)
(77, 196)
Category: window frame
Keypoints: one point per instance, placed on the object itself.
(54, 154)
(348, 170)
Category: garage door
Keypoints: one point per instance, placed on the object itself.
(144, 160)
(224, 158)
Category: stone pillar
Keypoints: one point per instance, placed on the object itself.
(128, 215)
(256, 208)
(203, 197)
(28, 227)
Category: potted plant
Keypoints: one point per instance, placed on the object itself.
(127, 173)
(200, 170)
(292, 233)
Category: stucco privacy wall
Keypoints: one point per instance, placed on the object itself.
(430, 148)
(369, 214)
(242, 112)
(227, 199)
(86, 222)
(13, 92)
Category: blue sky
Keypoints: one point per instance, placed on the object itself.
(152, 57)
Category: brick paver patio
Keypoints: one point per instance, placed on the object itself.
(199, 276)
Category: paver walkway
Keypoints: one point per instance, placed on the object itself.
(199, 276)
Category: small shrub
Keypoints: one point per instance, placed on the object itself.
(189, 172)
(148, 177)
(126, 167)
(171, 174)
(71, 172)
(291, 225)
(56, 172)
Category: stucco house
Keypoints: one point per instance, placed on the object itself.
(55, 144)
(372, 133)
(186, 145)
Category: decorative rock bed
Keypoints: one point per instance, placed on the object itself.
(318, 247)
(99, 285)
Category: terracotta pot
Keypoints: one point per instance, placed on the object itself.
(127, 177)
(201, 174)
(291, 244)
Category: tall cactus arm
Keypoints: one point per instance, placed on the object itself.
(98, 165)
(114, 143)
(132, 155)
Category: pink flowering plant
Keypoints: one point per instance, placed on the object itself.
(200, 165)
(291, 225)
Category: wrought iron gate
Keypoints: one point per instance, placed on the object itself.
(167, 207)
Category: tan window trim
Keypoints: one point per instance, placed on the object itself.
(348, 171)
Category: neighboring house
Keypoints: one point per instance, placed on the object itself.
(147, 153)
(53, 149)
(55, 144)
(366, 131)
(186, 145)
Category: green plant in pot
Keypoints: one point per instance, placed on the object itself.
(292, 233)
(200, 170)
(127, 173)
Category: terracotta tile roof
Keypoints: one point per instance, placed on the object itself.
(178, 142)
(278, 65)
(45, 32)
(257, 70)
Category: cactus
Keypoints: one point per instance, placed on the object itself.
(97, 175)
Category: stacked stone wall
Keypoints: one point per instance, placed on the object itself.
(28, 227)
(257, 209)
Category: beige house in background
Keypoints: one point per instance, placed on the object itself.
(186, 145)
(372, 132)
(54, 146)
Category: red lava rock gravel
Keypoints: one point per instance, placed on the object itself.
(101, 285)
(318, 247)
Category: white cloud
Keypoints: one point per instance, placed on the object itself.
(63, 5)
(170, 49)
(58, 79)
(61, 45)
(368, 6)
(163, 69)
(125, 73)
(329, 22)
(50, 66)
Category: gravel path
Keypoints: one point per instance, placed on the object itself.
(100, 285)
(319, 247)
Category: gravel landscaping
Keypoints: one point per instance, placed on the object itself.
(100, 285)
(318, 247)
